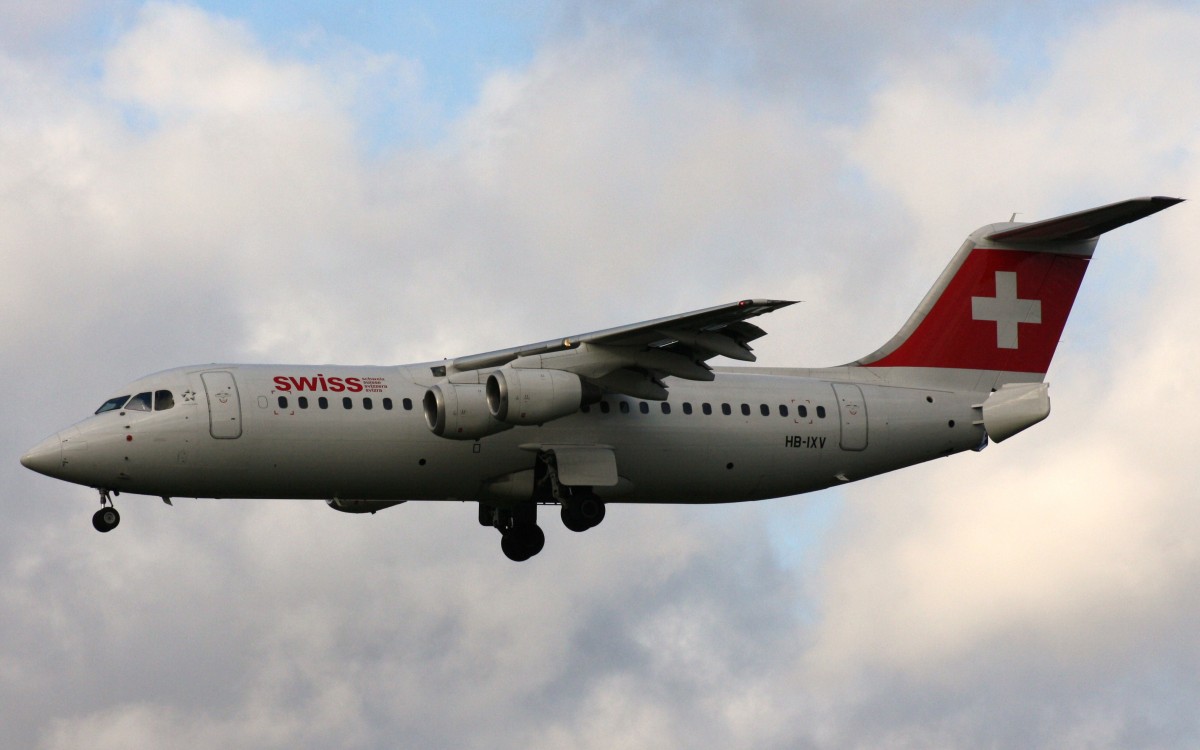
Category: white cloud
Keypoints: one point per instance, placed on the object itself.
(1071, 547)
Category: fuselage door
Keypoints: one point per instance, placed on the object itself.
(853, 412)
(224, 407)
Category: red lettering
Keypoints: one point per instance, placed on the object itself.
(286, 383)
(305, 384)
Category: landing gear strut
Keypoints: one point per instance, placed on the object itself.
(581, 508)
(107, 518)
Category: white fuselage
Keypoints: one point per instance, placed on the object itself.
(256, 440)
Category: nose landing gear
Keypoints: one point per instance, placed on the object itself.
(107, 518)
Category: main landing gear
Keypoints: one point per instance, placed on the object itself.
(107, 518)
(581, 508)
(520, 536)
(582, 511)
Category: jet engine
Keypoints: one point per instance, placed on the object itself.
(533, 396)
(459, 412)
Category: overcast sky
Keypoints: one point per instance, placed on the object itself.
(301, 182)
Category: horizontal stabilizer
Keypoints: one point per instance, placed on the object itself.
(1086, 225)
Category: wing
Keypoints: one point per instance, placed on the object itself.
(634, 359)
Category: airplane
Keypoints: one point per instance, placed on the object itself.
(632, 414)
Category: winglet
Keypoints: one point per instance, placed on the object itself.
(1086, 225)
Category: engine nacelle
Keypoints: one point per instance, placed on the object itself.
(459, 412)
(534, 396)
(360, 506)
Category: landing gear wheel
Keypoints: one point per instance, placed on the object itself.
(572, 519)
(522, 542)
(583, 514)
(106, 519)
(592, 510)
(535, 539)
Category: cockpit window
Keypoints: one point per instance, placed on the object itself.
(163, 400)
(112, 403)
(140, 402)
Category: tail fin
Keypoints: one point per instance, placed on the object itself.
(1003, 301)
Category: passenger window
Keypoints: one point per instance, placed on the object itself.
(407, 404)
(323, 402)
(303, 402)
(163, 400)
(113, 404)
(726, 409)
(666, 408)
(746, 410)
(387, 404)
(624, 407)
(706, 408)
(644, 408)
(764, 410)
(367, 404)
(687, 407)
(347, 402)
(604, 407)
(821, 412)
(140, 402)
(283, 402)
(783, 410)
(802, 410)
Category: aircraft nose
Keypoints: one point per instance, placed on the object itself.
(45, 457)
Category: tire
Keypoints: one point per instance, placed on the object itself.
(512, 547)
(572, 519)
(105, 520)
(522, 542)
(591, 510)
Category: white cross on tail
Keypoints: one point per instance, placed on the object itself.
(1006, 310)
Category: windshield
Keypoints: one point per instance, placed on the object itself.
(140, 402)
(112, 403)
